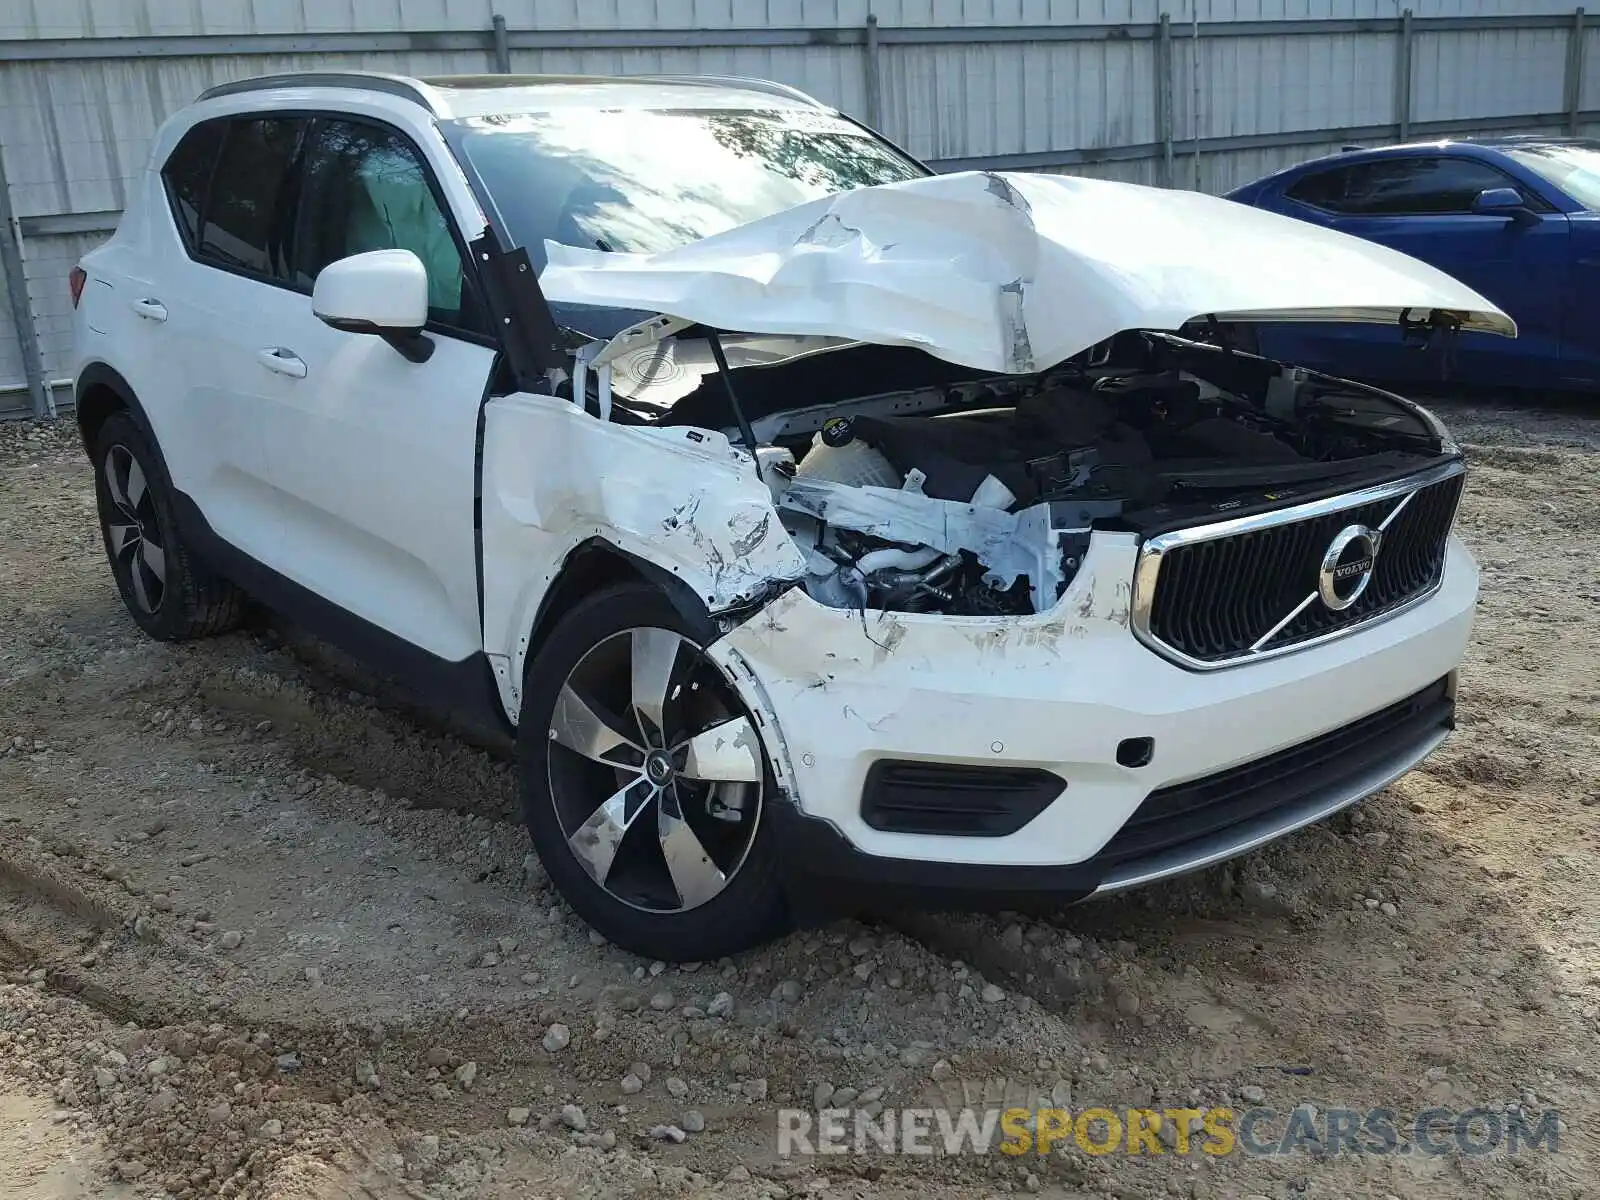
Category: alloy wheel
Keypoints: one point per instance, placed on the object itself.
(132, 531)
(655, 770)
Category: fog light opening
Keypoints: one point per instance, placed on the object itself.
(1136, 752)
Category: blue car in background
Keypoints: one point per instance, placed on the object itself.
(1515, 218)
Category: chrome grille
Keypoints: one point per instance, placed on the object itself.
(1250, 588)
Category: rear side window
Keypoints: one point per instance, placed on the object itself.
(188, 176)
(253, 190)
(1433, 186)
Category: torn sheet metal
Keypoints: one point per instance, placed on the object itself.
(1013, 273)
(1008, 544)
(683, 499)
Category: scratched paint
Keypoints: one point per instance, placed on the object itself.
(554, 478)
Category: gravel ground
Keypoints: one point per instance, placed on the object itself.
(263, 934)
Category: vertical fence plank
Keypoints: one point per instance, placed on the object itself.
(44, 403)
(502, 46)
(1194, 88)
(1402, 77)
(874, 81)
(1573, 92)
(1163, 52)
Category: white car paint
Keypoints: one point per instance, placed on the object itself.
(1056, 690)
(388, 288)
(372, 464)
(1013, 273)
(166, 322)
(357, 479)
(681, 498)
(322, 454)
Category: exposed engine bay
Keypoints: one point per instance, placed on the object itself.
(979, 498)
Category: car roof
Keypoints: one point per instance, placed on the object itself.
(455, 96)
(1522, 141)
(1475, 147)
(1490, 147)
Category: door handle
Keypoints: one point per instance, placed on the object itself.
(150, 310)
(284, 362)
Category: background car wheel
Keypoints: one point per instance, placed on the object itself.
(170, 594)
(645, 785)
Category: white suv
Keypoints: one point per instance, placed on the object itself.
(808, 519)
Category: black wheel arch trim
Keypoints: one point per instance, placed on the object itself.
(100, 375)
(555, 603)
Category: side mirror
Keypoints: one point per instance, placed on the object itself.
(381, 292)
(1503, 202)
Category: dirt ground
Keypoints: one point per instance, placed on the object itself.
(263, 934)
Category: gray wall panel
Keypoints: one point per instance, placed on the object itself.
(1066, 85)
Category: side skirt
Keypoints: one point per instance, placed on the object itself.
(460, 694)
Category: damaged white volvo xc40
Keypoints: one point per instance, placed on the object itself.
(808, 520)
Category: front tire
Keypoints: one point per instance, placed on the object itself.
(645, 785)
(170, 594)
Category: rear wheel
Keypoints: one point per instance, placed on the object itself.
(168, 592)
(645, 785)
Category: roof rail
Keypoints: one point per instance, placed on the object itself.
(771, 87)
(372, 81)
(421, 91)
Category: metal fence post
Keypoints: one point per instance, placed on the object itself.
(44, 404)
(1164, 86)
(874, 74)
(1194, 87)
(1402, 77)
(1573, 91)
(502, 46)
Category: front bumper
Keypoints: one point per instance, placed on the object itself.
(1060, 691)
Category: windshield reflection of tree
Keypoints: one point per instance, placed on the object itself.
(646, 182)
(587, 160)
(615, 210)
(621, 210)
(823, 163)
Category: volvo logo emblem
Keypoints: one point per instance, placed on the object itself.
(658, 769)
(1347, 566)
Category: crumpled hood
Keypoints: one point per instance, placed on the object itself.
(1013, 273)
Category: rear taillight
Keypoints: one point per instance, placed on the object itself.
(76, 280)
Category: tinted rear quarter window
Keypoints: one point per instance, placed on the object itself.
(250, 195)
(188, 175)
(1400, 187)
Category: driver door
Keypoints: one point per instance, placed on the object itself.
(373, 457)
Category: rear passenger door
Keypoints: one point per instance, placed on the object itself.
(198, 320)
(372, 459)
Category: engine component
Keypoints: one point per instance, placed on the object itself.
(827, 582)
(1283, 393)
(980, 599)
(982, 500)
(906, 518)
(838, 456)
(992, 493)
(896, 560)
(776, 467)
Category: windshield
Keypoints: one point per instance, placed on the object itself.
(1573, 169)
(644, 180)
